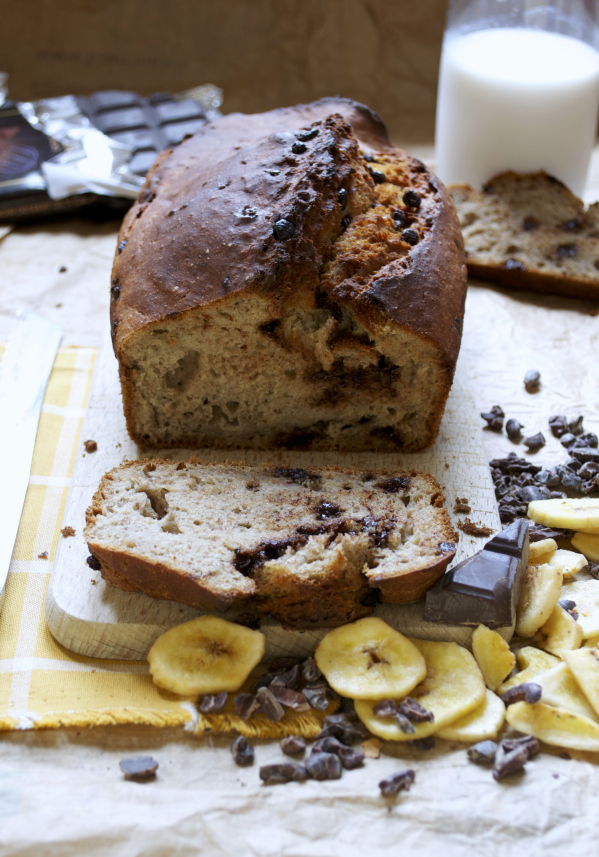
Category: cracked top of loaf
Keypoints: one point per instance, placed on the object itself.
(250, 202)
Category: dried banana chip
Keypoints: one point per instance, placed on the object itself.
(591, 643)
(587, 544)
(561, 689)
(531, 662)
(555, 726)
(205, 656)
(541, 551)
(568, 513)
(561, 631)
(482, 723)
(541, 589)
(568, 562)
(453, 687)
(493, 656)
(585, 594)
(584, 666)
(368, 659)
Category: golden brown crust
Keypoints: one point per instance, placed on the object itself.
(187, 210)
(341, 598)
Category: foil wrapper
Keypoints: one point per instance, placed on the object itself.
(88, 160)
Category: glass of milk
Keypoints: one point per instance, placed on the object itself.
(518, 90)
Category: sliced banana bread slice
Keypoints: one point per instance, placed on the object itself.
(529, 231)
(311, 548)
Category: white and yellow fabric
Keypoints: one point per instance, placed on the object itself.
(42, 685)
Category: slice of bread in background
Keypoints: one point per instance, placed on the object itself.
(530, 232)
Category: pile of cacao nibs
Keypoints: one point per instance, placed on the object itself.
(519, 482)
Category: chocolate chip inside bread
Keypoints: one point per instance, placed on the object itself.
(310, 548)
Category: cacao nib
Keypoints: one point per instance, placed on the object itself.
(385, 708)
(340, 726)
(534, 442)
(513, 429)
(494, 418)
(532, 379)
(289, 698)
(324, 766)
(526, 692)
(509, 763)
(482, 753)
(285, 772)
(342, 197)
(290, 678)
(213, 703)
(246, 705)
(310, 670)
(558, 425)
(400, 218)
(399, 782)
(292, 745)
(242, 752)
(270, 705)
(415, 712)
(139, 768)
(298, 148)
(350, 757)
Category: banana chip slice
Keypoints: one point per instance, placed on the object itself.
(584, 665)
(541, 589)
(482, 723)
(493, 656)
(587, 544)
(541, 551)
(368, 659)
(585, 594)
(568, 513)
(453, 687)
(206, 655)
(559, 632)
(561, 689)
(555, 726)
(568, 562)
(532, 662)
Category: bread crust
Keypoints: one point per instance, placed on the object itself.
(294, 602)
(208, 256)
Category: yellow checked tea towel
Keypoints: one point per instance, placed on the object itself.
(42, 685)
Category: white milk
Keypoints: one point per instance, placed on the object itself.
(516, 99)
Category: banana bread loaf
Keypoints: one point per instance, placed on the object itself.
(289, 279)
(310, 548)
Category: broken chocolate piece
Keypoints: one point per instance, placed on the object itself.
(483, 589)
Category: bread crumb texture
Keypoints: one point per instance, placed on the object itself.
(310, 548)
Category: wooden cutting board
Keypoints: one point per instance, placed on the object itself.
(90, 617)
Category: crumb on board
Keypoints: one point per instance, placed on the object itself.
(67, 531)
(462, 504)
(90, 445)
(43, 555)
(471, 528)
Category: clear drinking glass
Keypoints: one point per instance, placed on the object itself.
(518, 90)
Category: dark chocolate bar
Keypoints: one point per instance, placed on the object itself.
(149, 124)
(483, 589)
